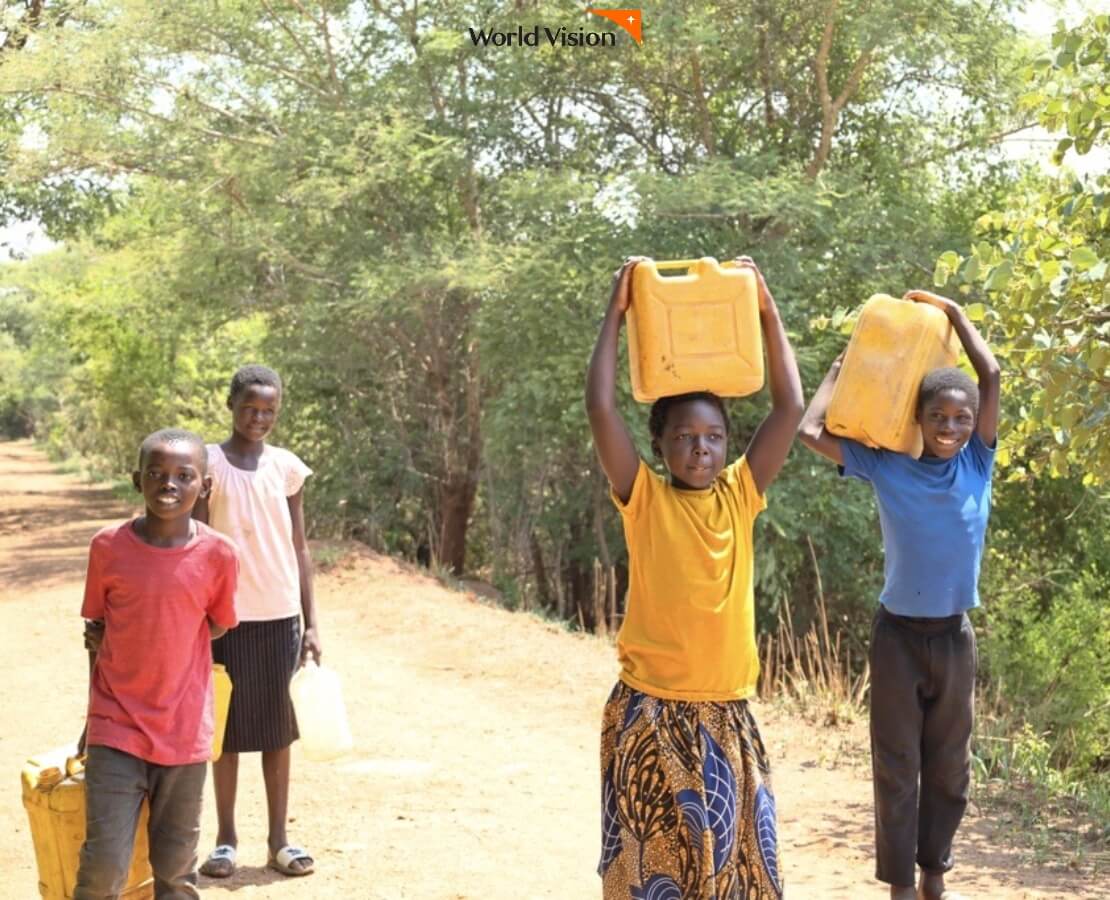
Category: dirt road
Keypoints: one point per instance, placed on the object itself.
(475, 772)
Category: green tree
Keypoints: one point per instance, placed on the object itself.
(438, 221)
(1042, 262)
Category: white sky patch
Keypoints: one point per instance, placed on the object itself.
(1039, 19)
(20, 240)
(618, 202)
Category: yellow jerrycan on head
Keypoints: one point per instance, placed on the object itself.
(894, 345)
(54, 796)
(697, 331)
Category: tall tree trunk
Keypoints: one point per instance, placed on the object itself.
(456, 503)
(830, 106)
(539, 572)
(459, 484)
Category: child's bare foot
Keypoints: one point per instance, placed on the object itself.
(932, 888)
(902, 893)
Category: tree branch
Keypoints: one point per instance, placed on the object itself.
(830, 108)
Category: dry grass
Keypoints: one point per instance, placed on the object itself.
(813, 670)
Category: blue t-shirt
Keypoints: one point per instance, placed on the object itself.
(933, 514)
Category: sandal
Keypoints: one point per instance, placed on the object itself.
(220, 862)
(283, 860)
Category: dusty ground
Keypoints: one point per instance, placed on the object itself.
(475, 772)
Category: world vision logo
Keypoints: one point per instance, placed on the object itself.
(628, 19)
(541, 35)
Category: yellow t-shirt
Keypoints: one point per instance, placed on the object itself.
(689, 624)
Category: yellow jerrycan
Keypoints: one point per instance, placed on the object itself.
(221, 683)
(894, 345)
(54, 796)
(694, 331)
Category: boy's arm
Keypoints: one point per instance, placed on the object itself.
(310, 641)
(982, 360)
(615, 448)
(93, 611)
(771, 442)
(215, 631)
(812, 431)
(94, 634)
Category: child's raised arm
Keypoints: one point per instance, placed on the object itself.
(982, 360)
(615, 448)
(771, 442)
(812, 431)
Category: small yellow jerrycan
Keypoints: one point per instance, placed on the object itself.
(694, 331)
(54, 796)
(221, 683)
(894, 345)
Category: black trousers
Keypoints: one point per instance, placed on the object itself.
(922, 711)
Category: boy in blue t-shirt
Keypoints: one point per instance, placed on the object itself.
(933, 513)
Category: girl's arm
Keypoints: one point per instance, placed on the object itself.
(812, 432)
(982, 360)
(614, 445)
(771, 442)
(310, 642)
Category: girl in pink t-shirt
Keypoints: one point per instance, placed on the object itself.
(257, 500)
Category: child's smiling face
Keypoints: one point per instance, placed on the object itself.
(254, 411)
(171, 478)
(947, 422)
(693, 444)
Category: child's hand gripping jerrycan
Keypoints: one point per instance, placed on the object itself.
(697, 331)
(321, 714)
(894, 345)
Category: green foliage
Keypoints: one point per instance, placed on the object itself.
(1054, 662)
(1042, 265)
(107, 353)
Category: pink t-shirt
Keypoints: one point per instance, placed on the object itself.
(151, 691)
(252, 508)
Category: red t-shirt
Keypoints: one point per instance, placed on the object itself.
(151, 692)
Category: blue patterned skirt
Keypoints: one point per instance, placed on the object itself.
(687, 811)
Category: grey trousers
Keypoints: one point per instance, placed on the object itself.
(922, 712)
(116, 783)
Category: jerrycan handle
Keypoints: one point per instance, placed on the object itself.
(676, 263)
(695, 268)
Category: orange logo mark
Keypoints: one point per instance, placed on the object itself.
(628, 19)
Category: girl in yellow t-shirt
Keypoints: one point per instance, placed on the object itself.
(687, 809)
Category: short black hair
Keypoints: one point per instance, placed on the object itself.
(940, 380)
(253, 374)
(174, 436)
(657, 419)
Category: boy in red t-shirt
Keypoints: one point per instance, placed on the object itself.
(163, 585)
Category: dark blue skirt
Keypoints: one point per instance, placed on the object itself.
(261, 658)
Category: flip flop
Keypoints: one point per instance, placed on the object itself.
(214, 866)
(283, 860)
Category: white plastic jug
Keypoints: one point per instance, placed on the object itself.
(321, 714)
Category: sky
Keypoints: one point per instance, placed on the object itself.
(21, 239)
(1039, 19)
